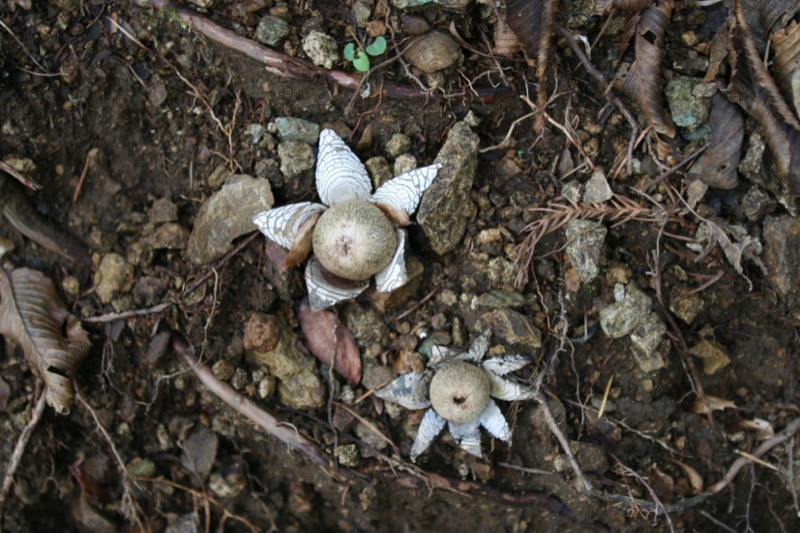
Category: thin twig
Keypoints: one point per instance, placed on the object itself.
(22, 443)
(111, 317)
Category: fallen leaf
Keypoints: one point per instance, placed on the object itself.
(33, 316)
(769, 11)
(23, 217)
(625, 5)
(695, 479)
(505, 42)
(532, 22)
(200, 452)
(755, 91)
(639, 71)
(5, 393)
(786, 61)
(712, 403)
(718, 166)
(762, 428)
(327, 338)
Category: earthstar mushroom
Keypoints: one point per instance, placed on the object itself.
(458, 389)
(353, 233)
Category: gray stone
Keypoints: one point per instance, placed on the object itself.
(299, 387)
(756, 203)
(453, 5)
(362, 9)
(433, 52)
(170, 236)
(713, 354)
(782, 252)
(113, 276)
(321, 49)
(379, 170)
(187, 523)
(597, 189)
(228, 214)
(200, 451)
(624, 315)
(685, 304)
(296, 157)
(446, 206)
(585, 240)
(366, 325)
(751, 164)
(514, 329)
(645, 340)
(219, 176)
(230, 481)
(272, 30)
(163, 210)
(404, 163)
(687, 109)
(297, 129)
(500, 299)
(400, 143)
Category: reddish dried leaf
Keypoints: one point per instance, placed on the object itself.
(755, 91)
(718, 165)
(327, 338)
(53, 340)
(639, 72)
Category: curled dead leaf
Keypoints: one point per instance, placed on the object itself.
(695, 479)
(761, 427)
(718, 166)
(33, 316)
(711, 403)
(639, 71)
(328, 339)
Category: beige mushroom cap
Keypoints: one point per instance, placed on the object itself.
(354, 240)
(459, 392)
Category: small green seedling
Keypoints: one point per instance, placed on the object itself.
(359, 58)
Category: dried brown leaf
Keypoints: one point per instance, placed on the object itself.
(755, 91)
(625, 5)
(5, 393)
(695, 479)
(769, 11)
(54, 342)
(505, 42)
(327, 338)
(786, 60)
(761, 427)
(639, 72)
(532, 22)
(717, 167)
(712, 403)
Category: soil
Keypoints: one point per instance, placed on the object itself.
(160, 108)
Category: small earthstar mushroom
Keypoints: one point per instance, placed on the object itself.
(458, 388)
(354, 233)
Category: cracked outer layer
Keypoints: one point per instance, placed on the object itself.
(459, 392)
(354, 240)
